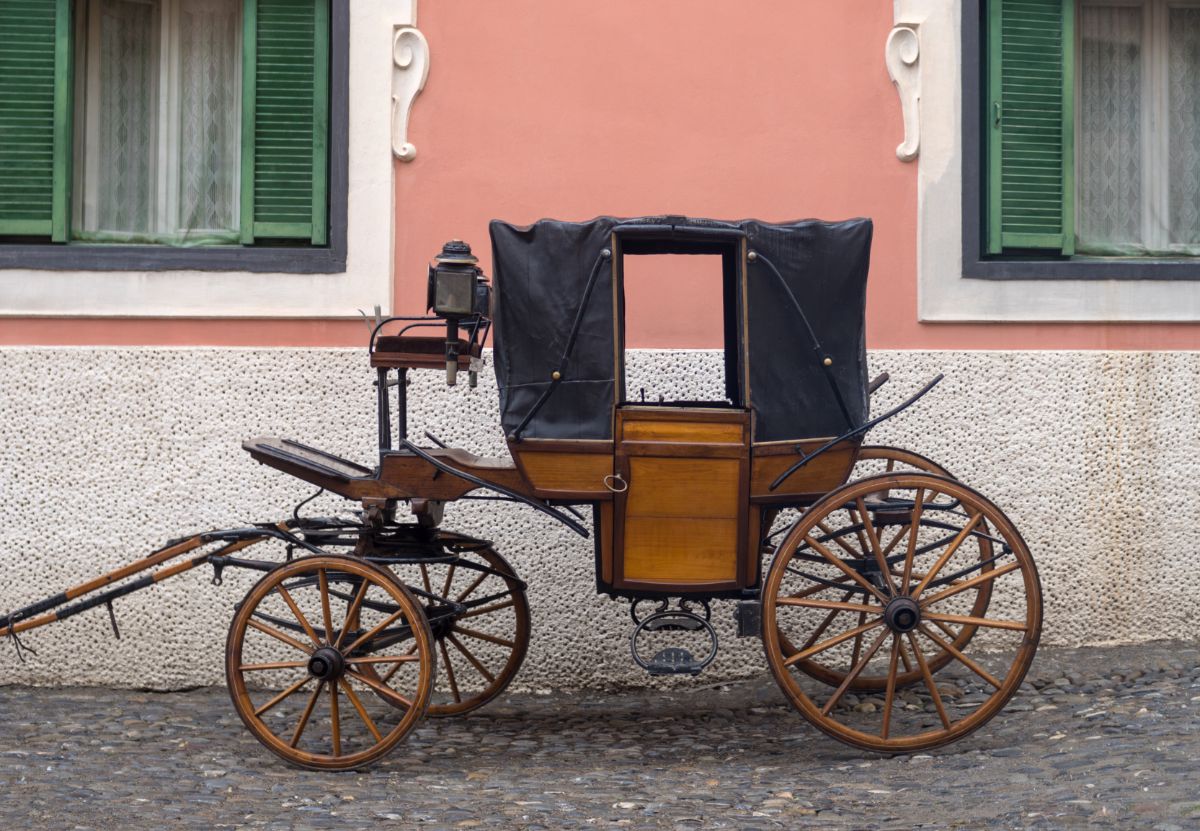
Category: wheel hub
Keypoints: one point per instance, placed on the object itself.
(326, 664)
(902, 614)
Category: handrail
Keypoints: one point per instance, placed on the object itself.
(536, 504)
(852, 433)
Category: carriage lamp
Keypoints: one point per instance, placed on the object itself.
(457, 290)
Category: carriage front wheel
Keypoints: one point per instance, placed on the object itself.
(884, 612)
(300, 655)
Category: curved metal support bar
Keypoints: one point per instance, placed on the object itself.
(855, 432)
(536, 504)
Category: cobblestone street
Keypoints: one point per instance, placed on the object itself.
(1097, 738)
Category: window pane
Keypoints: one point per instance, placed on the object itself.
(1184, 126)
(1110, 115)
(161, 117)
(125, 117)
(210, 102)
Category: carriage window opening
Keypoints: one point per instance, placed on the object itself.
(674, 327)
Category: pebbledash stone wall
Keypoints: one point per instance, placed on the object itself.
(105, 453)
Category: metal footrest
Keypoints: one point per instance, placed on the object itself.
(674, 661)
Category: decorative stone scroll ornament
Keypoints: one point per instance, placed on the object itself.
(410, 59)
(903, 54)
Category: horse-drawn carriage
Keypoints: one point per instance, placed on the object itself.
(898, 608)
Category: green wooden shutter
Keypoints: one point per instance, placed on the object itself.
(35, 117)
(285, 120)
(1031, 125)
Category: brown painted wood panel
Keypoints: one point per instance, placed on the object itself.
(672, 487)
(565, 468)
(682, 431)
(823, 474)
(680, 550)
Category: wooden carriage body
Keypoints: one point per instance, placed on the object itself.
(681, 490)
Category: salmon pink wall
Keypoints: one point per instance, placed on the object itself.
(775, 109)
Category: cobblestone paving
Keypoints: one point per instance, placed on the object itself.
(1102, 738)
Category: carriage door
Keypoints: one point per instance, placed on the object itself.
(681, 429)
(681, 522)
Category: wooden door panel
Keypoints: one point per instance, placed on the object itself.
(681, 549)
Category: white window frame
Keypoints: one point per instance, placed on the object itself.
(943, 294)
(367, 280)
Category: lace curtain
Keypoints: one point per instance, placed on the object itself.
(1138, 188)
(160, 121)
(1184, 95)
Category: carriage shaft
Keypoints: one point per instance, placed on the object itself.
(24, 619)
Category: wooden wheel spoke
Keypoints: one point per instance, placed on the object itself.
(335, 720)
(487, 610)
(955, 588)
(929, 682)
(876, 548)
(277, 635)
(375, 630)
(480, 668)
(889, 696)
(857, 650)
(864, 608)
(281, 696)
(950, 632)
(914, 527)
(484, 636)
(891, 546)
(406, 658)
(862, 540)
(449, 579)
(859, 665)
(832, 642)
(949, 552)
(970, 620)
(273, 665)
(450, 671)
(817, 589)
(845, 569)
(474, 585)
(352, 610)
(381, 688)
(323, 582)
(300, 618)
(356, 702)
(904, 659)
(829, 618)
(837, 538)
(425, 579)
(962, 658)
(312, 702)
(387, 659)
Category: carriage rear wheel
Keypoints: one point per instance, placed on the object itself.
(846, 529)
(887, 614)
(481, 649)
(308, 644)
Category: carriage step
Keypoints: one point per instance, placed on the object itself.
(674, 661)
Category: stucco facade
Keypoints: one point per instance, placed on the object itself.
(124, 395)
